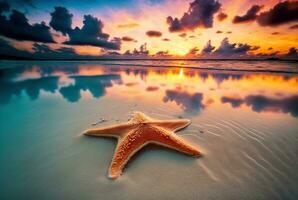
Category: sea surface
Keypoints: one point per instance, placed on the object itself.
(244, 118)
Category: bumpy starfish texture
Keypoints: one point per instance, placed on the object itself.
(139, 131)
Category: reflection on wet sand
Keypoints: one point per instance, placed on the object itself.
(96, 85)
(190, 90)
(245, 124)
(32, 87)
(188, 102)
(260, 103)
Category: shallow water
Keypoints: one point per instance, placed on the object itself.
(244, 122)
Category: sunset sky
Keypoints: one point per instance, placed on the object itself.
(158, 28)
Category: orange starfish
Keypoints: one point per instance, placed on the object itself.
(140, 131)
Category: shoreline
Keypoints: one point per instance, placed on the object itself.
(106, 64)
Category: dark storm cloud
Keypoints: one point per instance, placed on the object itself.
(16, 26)
(61, 20)
(208, 48)
(268, 55)
(128, 39)
(40, 51)
(6, 49)
(113, 53)
(193, 52)
(142, 51)
(162, 54)
(281, 13)
(153, 33)
(4, 43)
(18, 3)
(221, 16)
(90, 34)
(227, 48)
(27, 2)
(42, 48)
(4, 6)
(249, 16)
(44, 51)
(292, 53)
(199, 14)
(66, 51)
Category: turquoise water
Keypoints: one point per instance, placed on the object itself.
(243, 121)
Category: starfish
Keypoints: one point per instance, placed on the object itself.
(139, 131)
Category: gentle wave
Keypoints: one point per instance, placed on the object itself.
(218, 65)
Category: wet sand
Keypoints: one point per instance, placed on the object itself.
(245, 125)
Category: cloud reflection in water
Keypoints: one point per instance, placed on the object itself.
(187, 90)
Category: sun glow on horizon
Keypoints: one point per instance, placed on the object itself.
(122, 31)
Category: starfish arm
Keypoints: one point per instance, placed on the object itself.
(170, 140)
(172, 125)
(126, 148)
(138, 132)
(109, 131)
(139, 117)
